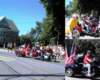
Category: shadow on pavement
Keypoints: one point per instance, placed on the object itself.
(40, 75)
(39, 58)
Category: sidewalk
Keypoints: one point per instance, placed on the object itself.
(7, 52)
(61, 61)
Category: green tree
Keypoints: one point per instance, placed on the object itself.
(48, 30)
(90, 6)
(22, 39)
(36, 32)
(46, 33)
(75, 6)
(52, 7)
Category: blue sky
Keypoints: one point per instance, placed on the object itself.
(24, 13)
(67, 2)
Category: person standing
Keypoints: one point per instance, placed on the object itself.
(71, 25)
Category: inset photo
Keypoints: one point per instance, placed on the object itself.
(82, 19)
(82, 59)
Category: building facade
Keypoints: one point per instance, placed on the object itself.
(8, 32)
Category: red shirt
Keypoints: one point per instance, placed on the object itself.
(87, 59)
(79, 28)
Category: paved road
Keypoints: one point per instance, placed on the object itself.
(81, 78)
(18, 68)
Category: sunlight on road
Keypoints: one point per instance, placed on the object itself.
(4, 58)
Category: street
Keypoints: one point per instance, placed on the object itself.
(20, 68)
(81, 78)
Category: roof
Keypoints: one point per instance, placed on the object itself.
(2, 17)
(10, 24)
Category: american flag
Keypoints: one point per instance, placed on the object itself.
(73, 51)
(70, 59)
(66, 55)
